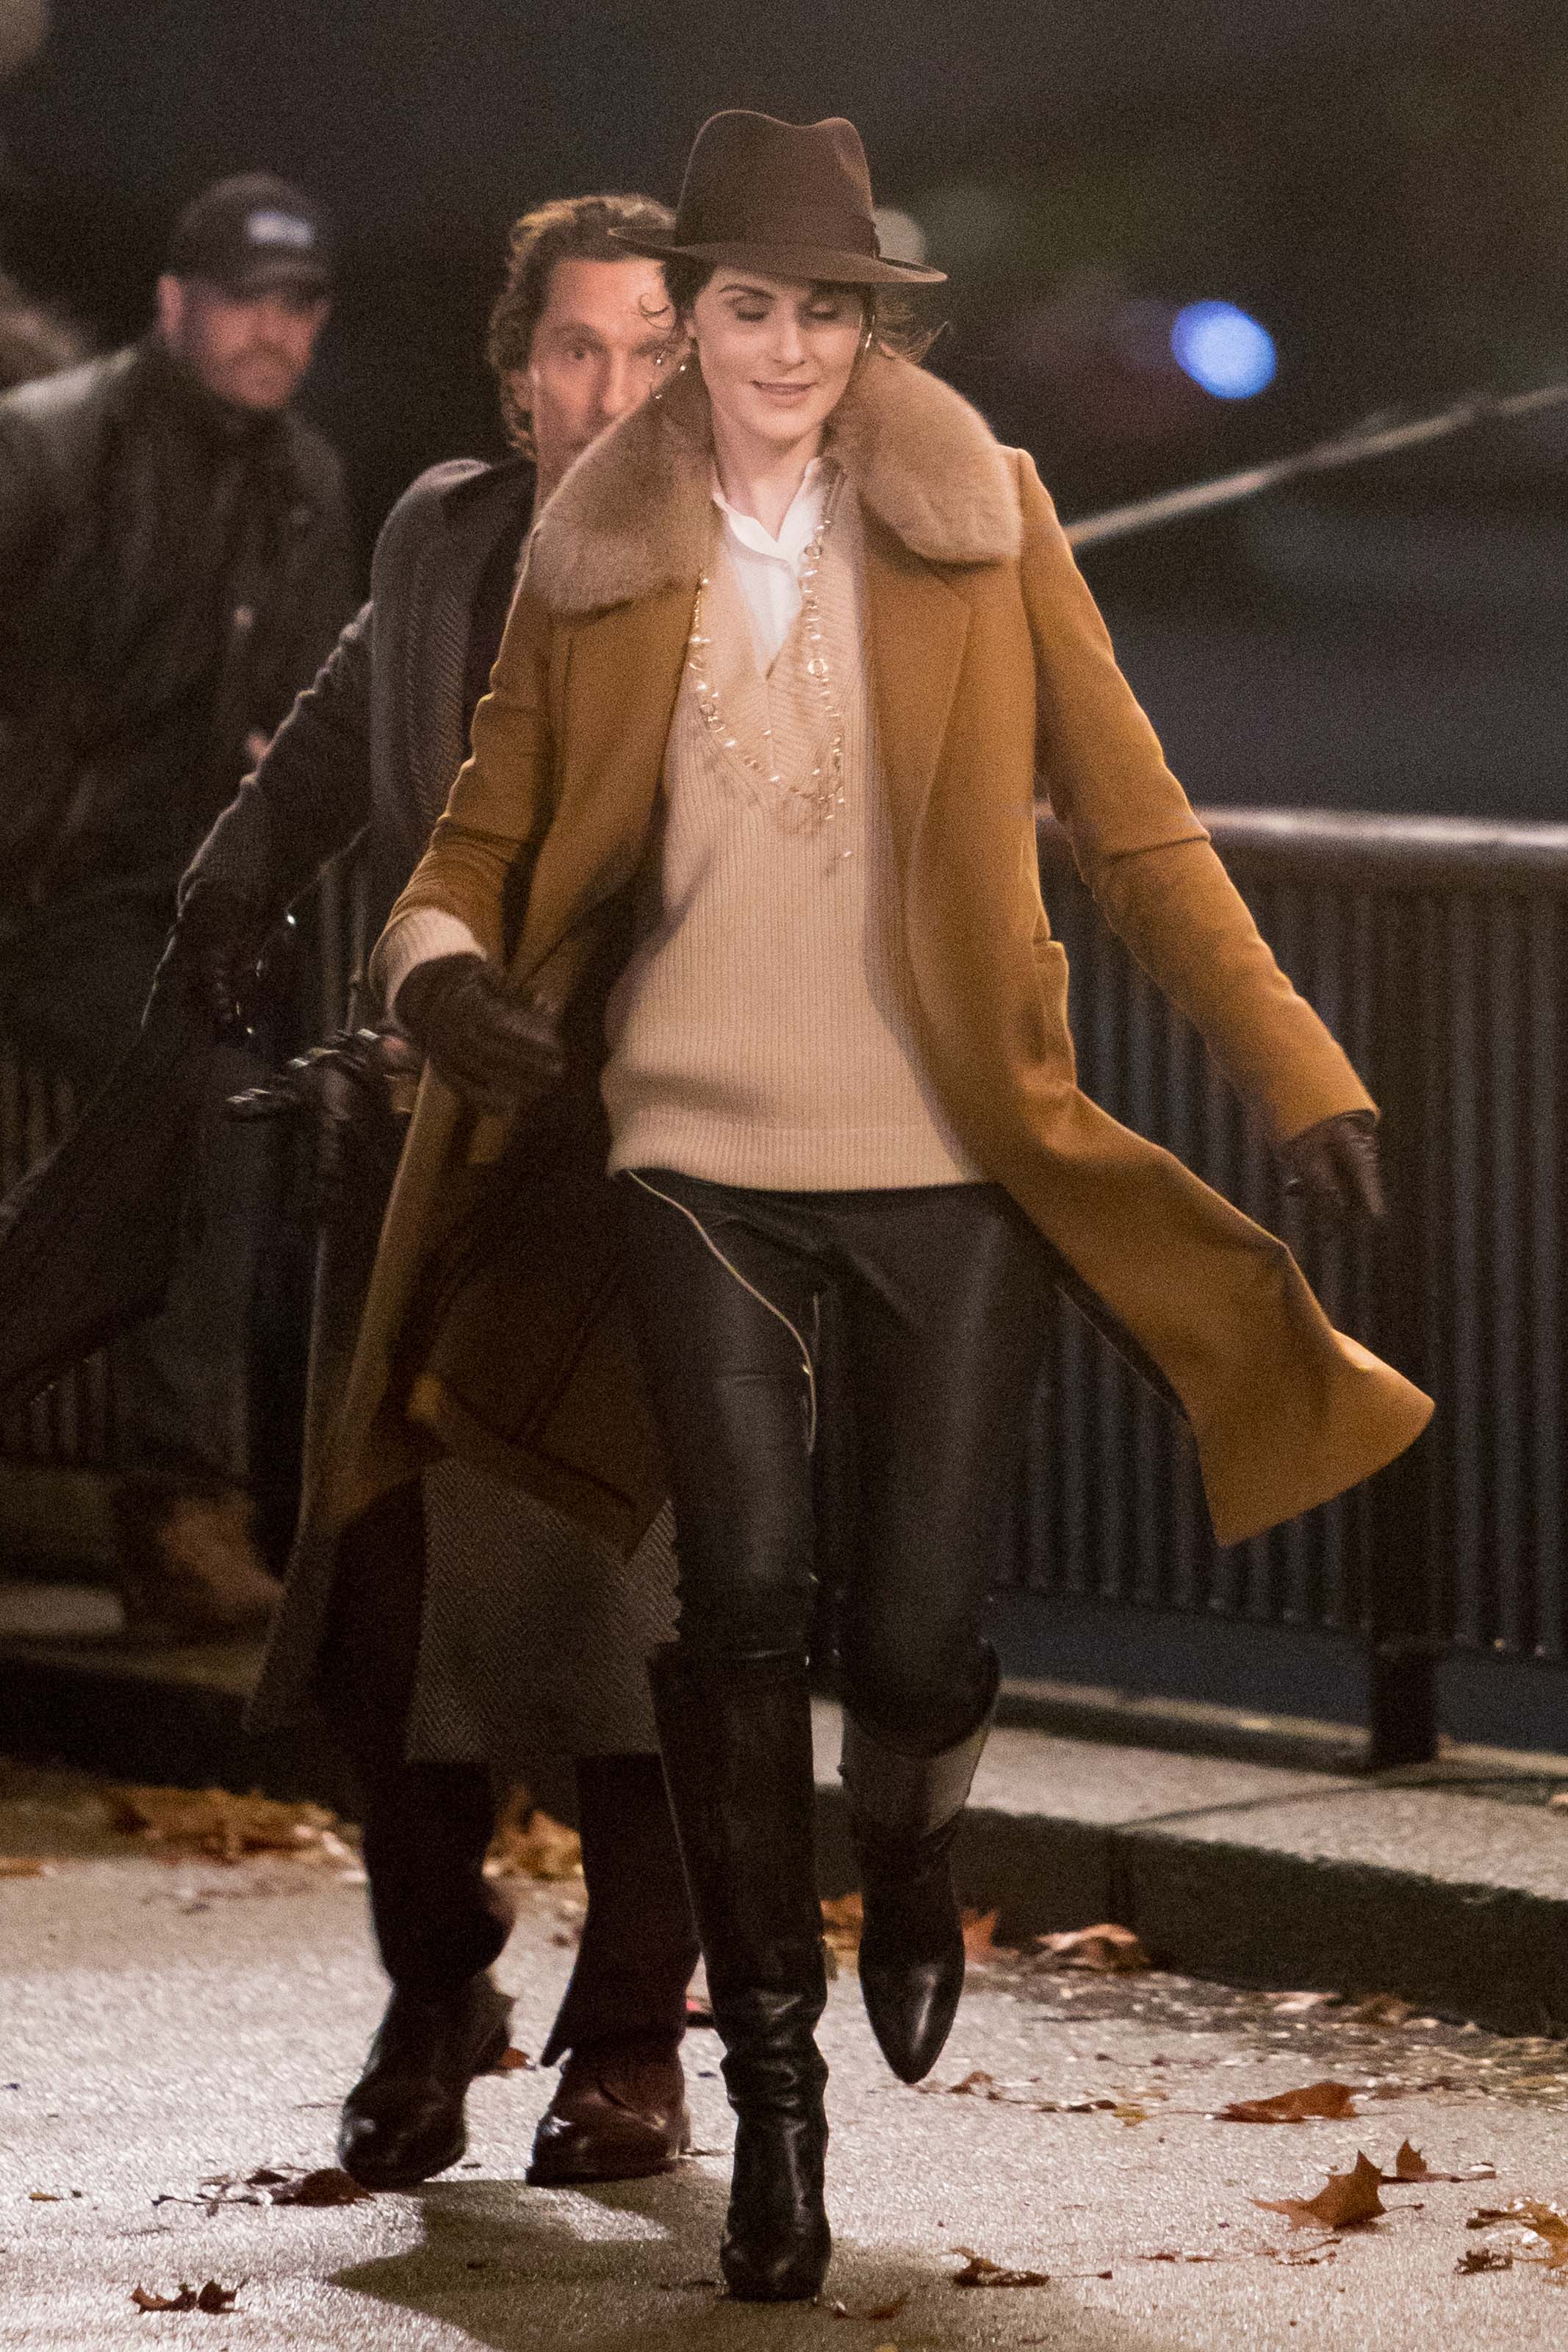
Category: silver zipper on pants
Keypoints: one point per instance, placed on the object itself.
(709, 1243)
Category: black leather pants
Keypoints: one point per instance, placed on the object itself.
(937, 1298)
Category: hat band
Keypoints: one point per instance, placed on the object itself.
(834, 226)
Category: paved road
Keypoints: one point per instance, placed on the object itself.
(165, 2023)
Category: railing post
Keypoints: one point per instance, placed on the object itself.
(1400, 1621)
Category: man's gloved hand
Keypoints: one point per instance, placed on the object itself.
(1337, 1164)
(218, 940)
(495, 1045)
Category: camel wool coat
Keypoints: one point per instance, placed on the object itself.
(495, 1326)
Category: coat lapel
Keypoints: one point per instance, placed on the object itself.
(619, 675)
(909, 605)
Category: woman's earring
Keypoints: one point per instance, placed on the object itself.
(685, 362)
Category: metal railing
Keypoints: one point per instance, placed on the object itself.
(1435, 949)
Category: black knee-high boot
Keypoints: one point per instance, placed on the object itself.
(904, 1813)
(737, 1740)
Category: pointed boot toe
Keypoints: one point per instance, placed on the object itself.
(912, 2005)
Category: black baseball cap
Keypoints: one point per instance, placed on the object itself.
(252, 235)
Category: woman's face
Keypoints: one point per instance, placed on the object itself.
(775, 352)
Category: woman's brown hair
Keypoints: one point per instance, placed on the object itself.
(887, 310)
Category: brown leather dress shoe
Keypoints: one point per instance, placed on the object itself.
(619, 2114)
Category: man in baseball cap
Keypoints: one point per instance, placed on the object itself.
(173, 567)
(252, 236)
(247, 288)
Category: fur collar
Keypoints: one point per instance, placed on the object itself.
(633, 515)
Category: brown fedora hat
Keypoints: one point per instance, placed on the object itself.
(790, 199)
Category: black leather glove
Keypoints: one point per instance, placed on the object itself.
(218, 940)
(344, 1090)
(1337, 1165)
(495, 1045)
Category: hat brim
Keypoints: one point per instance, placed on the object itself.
(275, 277)
(818, 265)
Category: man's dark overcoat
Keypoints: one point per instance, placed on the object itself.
(371, 749)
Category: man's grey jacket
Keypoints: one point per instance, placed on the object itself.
(380, 736)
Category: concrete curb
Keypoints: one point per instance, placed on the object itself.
(1432, 1887)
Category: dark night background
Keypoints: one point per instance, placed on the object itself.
(1385, 185)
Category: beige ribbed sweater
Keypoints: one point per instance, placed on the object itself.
(762, 1032)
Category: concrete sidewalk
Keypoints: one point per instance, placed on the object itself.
(1447, 1887)
(173, 2025)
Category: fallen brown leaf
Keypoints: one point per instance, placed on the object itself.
(44, 2196)
(1344, 2201)
(212, 2298)
(1313, 2102)
(1378, 2009)
(980, 2271)
(225, 1827)
(1544, 2222)
(1483, 2258)
(976, 2084)
(22, 1865)
(980, 1943)
(1108, 1949)
(513, 2061)
(329, 2186)
(267, 2186)
(1411, 2165)
(844, 1920)
(882, 2312)
(529, 1843)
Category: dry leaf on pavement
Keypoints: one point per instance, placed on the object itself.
(529, 1843)
(1377, 2008)
(843, 1919)
(1108, 1949)
(326, 2185)
(268, 2185)
(980, 2271)
(22, 1865)
(211, 2297)
(1344, 2201)
(980, 1943)
(883, 2311)
(1411, 2165)
(1331, 2102)
(1483, 2258)
(1543, 2221)
(225, 1828)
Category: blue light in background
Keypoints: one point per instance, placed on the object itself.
(1223, 350)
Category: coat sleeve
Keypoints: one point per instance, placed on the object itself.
(309, 795)
(1147, 859)
(500, 802)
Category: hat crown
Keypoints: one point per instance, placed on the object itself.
(752, 179)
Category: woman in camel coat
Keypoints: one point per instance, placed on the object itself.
(740, 887)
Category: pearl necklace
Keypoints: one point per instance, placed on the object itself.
(803, 807)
